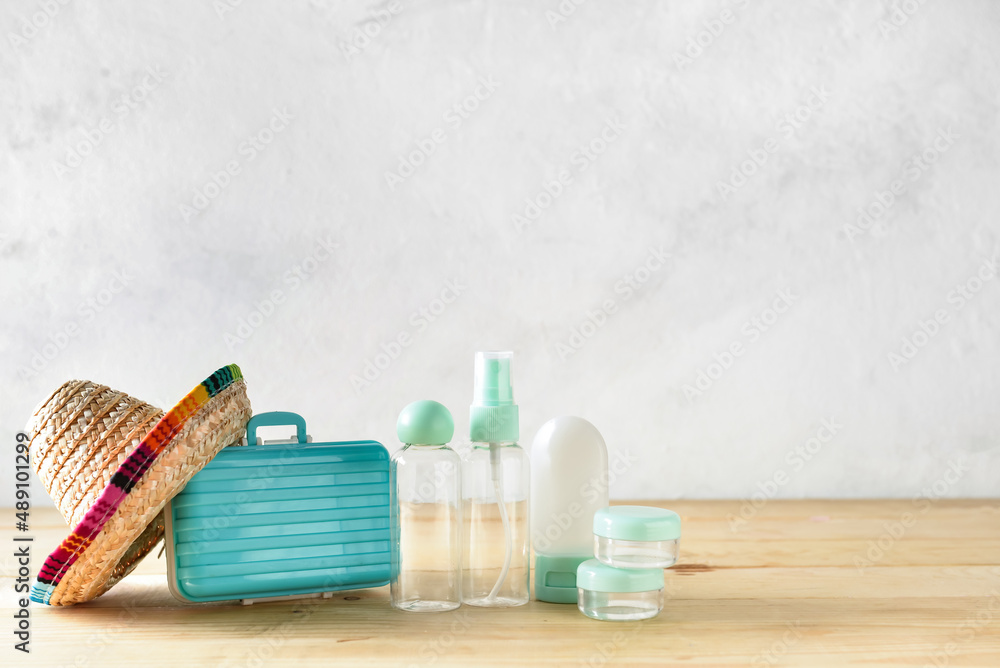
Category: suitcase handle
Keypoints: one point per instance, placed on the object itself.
(276, 419)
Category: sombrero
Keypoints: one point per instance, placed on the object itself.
(111, 462)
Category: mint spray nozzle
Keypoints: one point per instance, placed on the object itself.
(493, 416)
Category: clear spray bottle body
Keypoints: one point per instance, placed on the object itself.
(496, 547)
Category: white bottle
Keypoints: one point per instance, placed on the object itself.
(569, 483)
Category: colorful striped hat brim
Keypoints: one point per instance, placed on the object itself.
(125, 520)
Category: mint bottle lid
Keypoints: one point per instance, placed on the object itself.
(597, 576)
(425, 422)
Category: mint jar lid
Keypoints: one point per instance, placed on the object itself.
(640, 523)
(425, 422)
(594, 575)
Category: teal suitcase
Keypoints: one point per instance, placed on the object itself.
(281, 519)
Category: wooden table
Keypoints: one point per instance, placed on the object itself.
(804, 583)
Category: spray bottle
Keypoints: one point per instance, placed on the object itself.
(496, 549)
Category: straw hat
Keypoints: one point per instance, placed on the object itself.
(111, 462)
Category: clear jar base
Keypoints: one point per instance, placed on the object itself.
(497, 602)
(636, 554)
(420, 605)
(619, 606)
(620, 613)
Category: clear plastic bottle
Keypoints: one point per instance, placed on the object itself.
(426, 512)
(495, 483)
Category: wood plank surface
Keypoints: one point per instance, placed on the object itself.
(791, 583)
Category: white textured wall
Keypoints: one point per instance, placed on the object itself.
(96, 242)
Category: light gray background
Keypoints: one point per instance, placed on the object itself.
(682, 128)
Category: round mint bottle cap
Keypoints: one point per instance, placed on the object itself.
(425, 422)
(640, 523)
(597, 576)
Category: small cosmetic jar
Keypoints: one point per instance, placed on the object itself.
(637, 536)
(618, 594)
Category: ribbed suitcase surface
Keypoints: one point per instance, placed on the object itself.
(282, 519)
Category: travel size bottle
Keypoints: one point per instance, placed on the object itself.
(496, 554)
(569, 485)
(425, 512)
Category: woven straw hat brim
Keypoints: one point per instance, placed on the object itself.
(126, 521)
